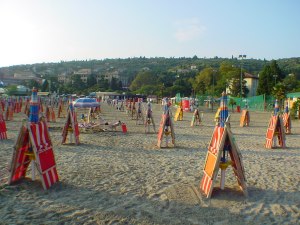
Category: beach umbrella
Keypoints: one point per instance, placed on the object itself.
(86, 103)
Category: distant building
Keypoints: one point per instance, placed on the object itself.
(145, 69)
(25, 75)
(193, 67)
(108, 76)
(19, 78)
(251, 83)
(63, 78)
(183, 71)
(66, 77)
(84, 74)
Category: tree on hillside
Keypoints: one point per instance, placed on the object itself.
(167, 78)
(203, 80)
(291, 83)
(229, 76)
(143, 78)
(113, 84)
(182, 86)
(267, 77)
(91, 80)
(103, 83)
(149, 90)
(77, 84)
(235, 84)
(275, 70)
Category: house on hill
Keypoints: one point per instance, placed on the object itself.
(20, 77)
(84, 74)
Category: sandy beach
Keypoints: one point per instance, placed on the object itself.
(116, 178)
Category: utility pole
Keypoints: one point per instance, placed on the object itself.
(241, 93)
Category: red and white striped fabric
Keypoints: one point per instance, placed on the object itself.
(275, 125)
(20, 161)
(44, 153)
(17, 107)
(65, 132)
(41, 108)
(75, 126)
(59, 110)
(2, 105)
(47, 114)
(285, 117)
(206, 185)
(3, 129)
(9, 113)
(52, 114)
(3, 134)
(271, 131)
(26, 107)
(215, 141)
(161, 129)
(287, 122)
(71, 122)
(21, 104)
(40, 135)
(280, 133)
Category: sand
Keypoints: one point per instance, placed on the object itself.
(116, 178)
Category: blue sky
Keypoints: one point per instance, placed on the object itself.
(35, 31)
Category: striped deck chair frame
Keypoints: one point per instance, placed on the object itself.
(237, 163)
(162, 124)
(3, 134)
(149, 116)
(3, 129)
(178, 114)
(196, 119)
(52, 114)
(48, 114)
(212, 161)
(275, 128)
(287, 122)
(44, 154)
(71, 121)
(245, 118)
(213, 157)
(35, 136)
(20, 161)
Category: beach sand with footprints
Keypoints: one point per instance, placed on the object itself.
(117, 178)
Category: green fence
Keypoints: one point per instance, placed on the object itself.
(255, 103)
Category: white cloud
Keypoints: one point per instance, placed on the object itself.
(189, 29)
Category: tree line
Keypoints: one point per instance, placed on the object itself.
(168, 76)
